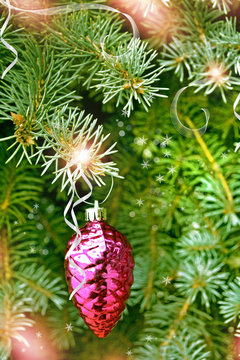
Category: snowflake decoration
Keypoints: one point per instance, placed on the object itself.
(166, 280)
(160, 178)
(145, 164)
(140, 202)
(124, 112)
(172, 170)
(148, 338)
(32, 250)
(141, 141)
(167, 139)
(129, 353)
(167, 154)
(69, 327)
(35, 206)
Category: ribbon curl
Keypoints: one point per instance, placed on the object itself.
(5, 43)
(182, 129)
(62, 9)
(74, 225)
(235, 106)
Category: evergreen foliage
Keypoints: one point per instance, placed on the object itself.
(179, 201)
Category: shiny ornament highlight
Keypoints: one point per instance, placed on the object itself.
(106, 257)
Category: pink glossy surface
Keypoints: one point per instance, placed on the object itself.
(105, 256)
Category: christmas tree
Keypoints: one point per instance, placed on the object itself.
(90, 110)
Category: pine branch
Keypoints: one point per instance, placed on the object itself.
(17, 191)
(41, 287)
(13, 306)
(126, 72)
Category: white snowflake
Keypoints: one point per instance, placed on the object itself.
(160, 178)
(69, 327)
(38, 334)
(124, 112)
(35, 206)
(224, 155)
(167, 139)
(140, 202)
(141, 141)
(167, 154)
(166, 280)
(145, 164)
(32, 250)
(148, 338)
(172, 170)
(129, 353)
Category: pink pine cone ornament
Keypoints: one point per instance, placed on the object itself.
(106, 257)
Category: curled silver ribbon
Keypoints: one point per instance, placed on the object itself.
(237, 116)
(235, 106)
(5, 43)
(62, 9)
(74, 225)
(182, 129)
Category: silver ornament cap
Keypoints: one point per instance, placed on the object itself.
(96, 213)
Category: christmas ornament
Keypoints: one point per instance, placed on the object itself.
(104, 254)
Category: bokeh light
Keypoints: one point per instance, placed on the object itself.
(40, 344)
(154, 19)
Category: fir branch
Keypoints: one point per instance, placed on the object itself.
(212, 161)
(131, 78)
(60, 334)
(126, 72)
(70, 136)
(230, 306)
(201, 276)
(12, 316)
(17, 191)
(5, 268)
(186, 346)
(41, 287)
(195, 242)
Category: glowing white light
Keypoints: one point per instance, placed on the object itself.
(216, 73)
(81, 157)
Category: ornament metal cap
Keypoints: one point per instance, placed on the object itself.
(96, 213)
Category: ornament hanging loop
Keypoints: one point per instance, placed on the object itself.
(102, 202)
(96, 213)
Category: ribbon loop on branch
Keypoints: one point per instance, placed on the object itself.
(74, 225)
(182, 129)
(5, 43)
(62, 9)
